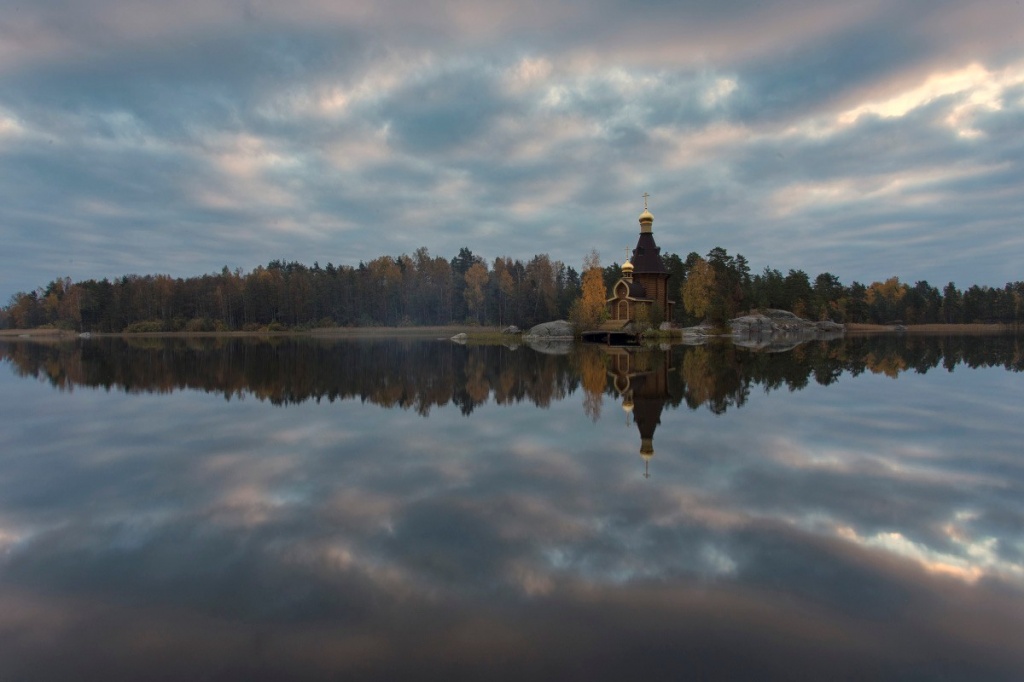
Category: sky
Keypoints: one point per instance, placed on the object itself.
(865, 139)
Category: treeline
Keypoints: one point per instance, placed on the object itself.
(429, 290)
(720, 287)
(403, 291)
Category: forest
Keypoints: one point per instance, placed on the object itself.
(467, 289)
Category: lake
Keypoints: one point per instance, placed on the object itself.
(301, 508)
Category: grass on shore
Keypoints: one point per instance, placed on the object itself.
(37, 333)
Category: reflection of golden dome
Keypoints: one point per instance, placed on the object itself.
(647, 452)
(627, 405)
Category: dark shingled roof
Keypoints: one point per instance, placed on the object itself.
(647, 256)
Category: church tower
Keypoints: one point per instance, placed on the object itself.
(648, 269)
(643, 289)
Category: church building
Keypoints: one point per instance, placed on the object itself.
(641, 294)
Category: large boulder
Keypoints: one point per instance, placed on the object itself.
(555, 337)
(694, 336)
(751, 324)
(559, 329)
(780, 329)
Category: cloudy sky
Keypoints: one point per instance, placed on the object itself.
(866, 139)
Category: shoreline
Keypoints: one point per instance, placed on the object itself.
(448, 331)
(972, 328)
(340, 332)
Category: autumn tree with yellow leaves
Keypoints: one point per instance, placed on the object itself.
(588, 311)
(476, 279)
(698, 290)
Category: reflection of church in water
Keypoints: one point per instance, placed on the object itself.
(641, 378)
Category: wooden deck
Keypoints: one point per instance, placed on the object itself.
(612, 333)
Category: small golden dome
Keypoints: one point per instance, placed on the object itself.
(646, 218)
(627, 267)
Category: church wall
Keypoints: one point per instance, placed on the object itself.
(657, 289)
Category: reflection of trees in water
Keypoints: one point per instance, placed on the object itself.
(418, 375)
(590, 362)
(721, 375)
(713, 376)
(410, 374)
(889, 365)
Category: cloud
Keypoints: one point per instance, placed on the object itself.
(144, 137)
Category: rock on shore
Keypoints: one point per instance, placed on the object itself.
(780, 329)
(559, 329)
(555, 337)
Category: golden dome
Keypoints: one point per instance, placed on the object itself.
(646, 221)
(646, 218)
(627, 267)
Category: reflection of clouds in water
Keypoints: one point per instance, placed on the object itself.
(908, 463)
(974, 558)
(313, 436)
(520, 498)
(717, 560)
(329, 524)
(9, 539)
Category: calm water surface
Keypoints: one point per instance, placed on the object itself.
(320, 509)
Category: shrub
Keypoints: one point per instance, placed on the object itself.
(145, 327)
(199, 324)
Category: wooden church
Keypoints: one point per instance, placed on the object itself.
(641, 293)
